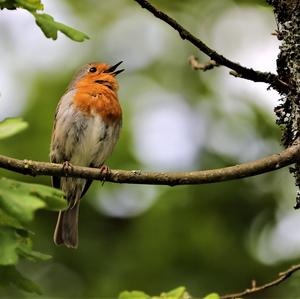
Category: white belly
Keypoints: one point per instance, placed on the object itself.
(94, 143)
(82, 140)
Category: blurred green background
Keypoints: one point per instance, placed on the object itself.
(154, 238)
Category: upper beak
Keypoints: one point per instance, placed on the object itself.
(112, 69)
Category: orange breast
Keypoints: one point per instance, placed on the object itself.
(94, 98)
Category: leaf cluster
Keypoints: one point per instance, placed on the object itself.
(46, 22)
(178, 293)
(18, 203)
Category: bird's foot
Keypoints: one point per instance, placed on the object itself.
(67, 167)
(105, 171)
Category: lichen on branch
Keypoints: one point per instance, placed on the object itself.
(288, 67)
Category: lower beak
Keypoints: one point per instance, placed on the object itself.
(113, 68)
(118, 72)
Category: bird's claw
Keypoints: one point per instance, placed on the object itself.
(67, 167)
(105, 171)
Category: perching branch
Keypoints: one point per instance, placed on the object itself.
(256, 289)
(270, 163)
(244, 72)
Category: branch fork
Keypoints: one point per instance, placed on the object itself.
(244, 72)
(282, 276)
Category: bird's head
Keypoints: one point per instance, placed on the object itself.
(97, 73)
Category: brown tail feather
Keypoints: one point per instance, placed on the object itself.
(66, 230)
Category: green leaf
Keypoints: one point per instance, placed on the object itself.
(7, 4)
(176, 293)
(7, 220)
(13, 245)
(31, 5)
(10, 275)
(53, 198)
(212, 296)
(9, 242)
(16, 200)
(47, 25)
(71, 32)
(133, 295)
(46, 22)
(50, 27)
(11, 126)
(35, 256)
(21, 200)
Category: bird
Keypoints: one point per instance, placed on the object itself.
(86, 128)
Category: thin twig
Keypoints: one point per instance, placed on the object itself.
(196, 65)
(270, 163)
(256, 289)
(246, 73)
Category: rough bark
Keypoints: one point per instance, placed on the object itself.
(287, 13)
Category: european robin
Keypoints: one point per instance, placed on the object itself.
(86, 129)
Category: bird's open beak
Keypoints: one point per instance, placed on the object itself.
(112, 69)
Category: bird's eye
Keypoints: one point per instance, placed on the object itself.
(93, 69)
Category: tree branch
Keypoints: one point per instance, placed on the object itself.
(245, 73)
(254, 289)
(270, 163)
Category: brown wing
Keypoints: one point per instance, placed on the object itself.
(55, 179)
(86, 187)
